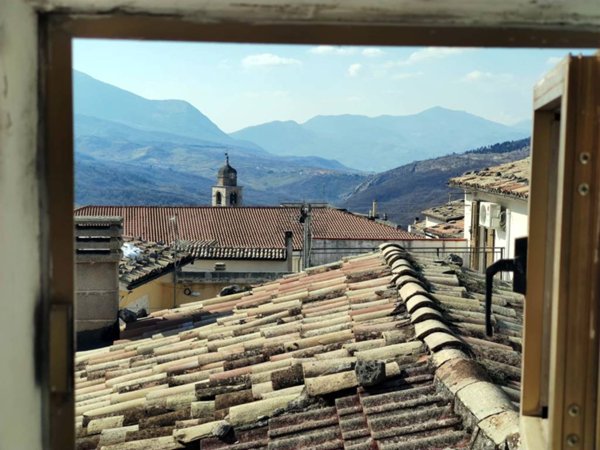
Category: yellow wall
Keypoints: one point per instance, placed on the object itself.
(153, 296)
(205, 290)
(158, 294)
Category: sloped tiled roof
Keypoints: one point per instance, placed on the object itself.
(511, 179)
(453, 229)
(244, 227)
(151, 261)
(204, 252)
(297, 363)
(453, 210)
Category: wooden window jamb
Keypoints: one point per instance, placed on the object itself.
(56, 133)
(58, 30)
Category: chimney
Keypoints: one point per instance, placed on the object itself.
(97, 254)
(374, 209)
(289, 246)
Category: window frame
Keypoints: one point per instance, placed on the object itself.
(559, 393)
(56, 137)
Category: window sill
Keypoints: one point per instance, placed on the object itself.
(533, 433)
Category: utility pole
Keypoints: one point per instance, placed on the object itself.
(175, 247)
(305, 218)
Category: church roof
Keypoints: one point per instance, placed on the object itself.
(226, 169)
(227, 175)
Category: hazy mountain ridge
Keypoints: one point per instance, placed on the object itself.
(119, 136)
(389, 140)
(407, 190)
(94, 98)
(130, 150)
(117, 183)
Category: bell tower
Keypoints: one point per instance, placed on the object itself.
(226, 192)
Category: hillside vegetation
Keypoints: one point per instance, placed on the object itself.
(132, 150)
(405, 191)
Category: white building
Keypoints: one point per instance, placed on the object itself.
(441, 222)
(496, 210)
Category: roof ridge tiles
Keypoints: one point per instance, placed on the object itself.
(278, 350)
(439, 337)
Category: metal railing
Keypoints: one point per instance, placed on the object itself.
(467, 254)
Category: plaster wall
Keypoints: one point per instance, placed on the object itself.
(150, 296)
(431, 221)
(21, 288)
(158, 294)
(517, 222)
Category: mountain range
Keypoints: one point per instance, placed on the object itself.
(132, 150)
(123, 135)
(402, 193)
(390, 141)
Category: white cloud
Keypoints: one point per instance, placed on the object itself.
(332, 50)
(354, 69)
(405, 75)
(372, 52)
(434, 53)
(263, 94)
(224, 64)
(554, 60)
(425, 54)
(268, 60)
(478, 76)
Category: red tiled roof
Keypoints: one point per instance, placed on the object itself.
(249, 227)
(510, 179)
(356, 354)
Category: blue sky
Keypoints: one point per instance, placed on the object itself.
(238, 85)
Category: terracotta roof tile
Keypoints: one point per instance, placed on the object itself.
(244, 227)
(282, 366)
(146, 261)
(511, 179)
(205, 252)
(453, 210)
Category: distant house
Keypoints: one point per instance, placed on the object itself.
(250, 245)
(147, 276)
(442, 222)
(496, 209)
